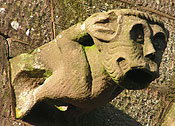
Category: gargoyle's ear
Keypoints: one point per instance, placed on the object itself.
(102, 26)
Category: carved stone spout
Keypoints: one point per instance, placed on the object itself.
(90, 63)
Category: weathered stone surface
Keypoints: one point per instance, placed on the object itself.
(143, 105)
(169, 119)
(24, 25)
(90, 66)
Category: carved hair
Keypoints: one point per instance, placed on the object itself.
(146, 16)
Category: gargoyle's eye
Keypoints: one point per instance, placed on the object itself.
(137, 33)
(159, 41)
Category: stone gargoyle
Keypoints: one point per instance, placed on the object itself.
(90, 63)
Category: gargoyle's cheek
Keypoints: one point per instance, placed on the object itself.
(130, 69)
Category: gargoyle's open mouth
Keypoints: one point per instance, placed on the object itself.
(137, 79)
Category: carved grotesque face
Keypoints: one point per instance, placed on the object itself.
(131, 49)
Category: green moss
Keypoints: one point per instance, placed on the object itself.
(47, 74)
(116, 81)
(61, 108)
(26, 62)
(39, 73)
(18, 113)
(87, 48)
(21, 63)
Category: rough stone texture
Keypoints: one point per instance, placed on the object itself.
(84, 69)
(26, 24)
(143, 106)
(5, 92)
(5, 102)
(169, 118)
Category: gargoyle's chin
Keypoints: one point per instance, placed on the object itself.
(136, 79)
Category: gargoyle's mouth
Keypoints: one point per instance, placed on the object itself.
(137, 79)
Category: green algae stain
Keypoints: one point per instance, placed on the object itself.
(18, 113)
(27, 59)
(47, 74)
(87, 48)
(61, 108)
(20, 63)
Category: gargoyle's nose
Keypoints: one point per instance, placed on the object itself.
(149, 50)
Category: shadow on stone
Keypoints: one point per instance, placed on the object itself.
(107, 115)
(45, 115)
